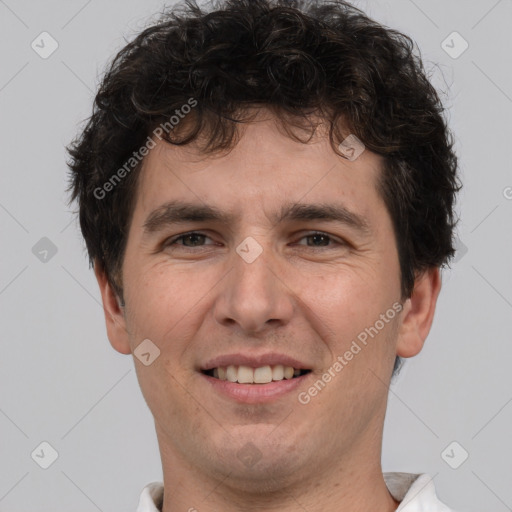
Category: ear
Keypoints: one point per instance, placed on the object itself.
(418, 313)
(114, 313)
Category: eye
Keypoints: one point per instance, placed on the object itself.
(193, 235)
(322, 238)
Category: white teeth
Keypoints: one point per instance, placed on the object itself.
(278, 372)
(262, 375)
(232, 373)
(288, 372)
(245, 375)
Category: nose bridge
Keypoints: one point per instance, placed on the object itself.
(253, 295)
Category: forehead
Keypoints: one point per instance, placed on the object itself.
(265, 167)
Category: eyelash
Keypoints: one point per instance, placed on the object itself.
(172, 241)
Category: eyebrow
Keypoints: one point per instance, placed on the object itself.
(180, 212)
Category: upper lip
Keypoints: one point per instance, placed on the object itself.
(254, 361)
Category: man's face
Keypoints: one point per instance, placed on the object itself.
(212, 299)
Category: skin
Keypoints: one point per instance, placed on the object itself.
(303, 297)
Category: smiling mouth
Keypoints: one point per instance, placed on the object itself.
(248, 375)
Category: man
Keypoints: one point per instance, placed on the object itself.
(266, 192)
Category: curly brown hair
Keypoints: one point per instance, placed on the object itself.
(298, 58)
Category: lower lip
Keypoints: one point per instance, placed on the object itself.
(255, 393)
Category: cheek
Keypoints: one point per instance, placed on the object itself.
(158, 298)
(348, 305)
(162, 388)
(348, 296)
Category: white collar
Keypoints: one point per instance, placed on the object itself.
(415, 492)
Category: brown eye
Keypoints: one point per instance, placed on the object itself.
(319, 239)
(194, 237)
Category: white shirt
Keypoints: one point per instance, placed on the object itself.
(415, 492)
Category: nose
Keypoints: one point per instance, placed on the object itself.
(254, 296)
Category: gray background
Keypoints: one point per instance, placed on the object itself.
(60, 380)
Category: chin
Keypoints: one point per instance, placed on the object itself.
(256, 460)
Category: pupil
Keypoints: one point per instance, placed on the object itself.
(192, 236)
(320, 236)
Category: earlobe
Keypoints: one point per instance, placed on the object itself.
(418, 313)
(114, 314)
